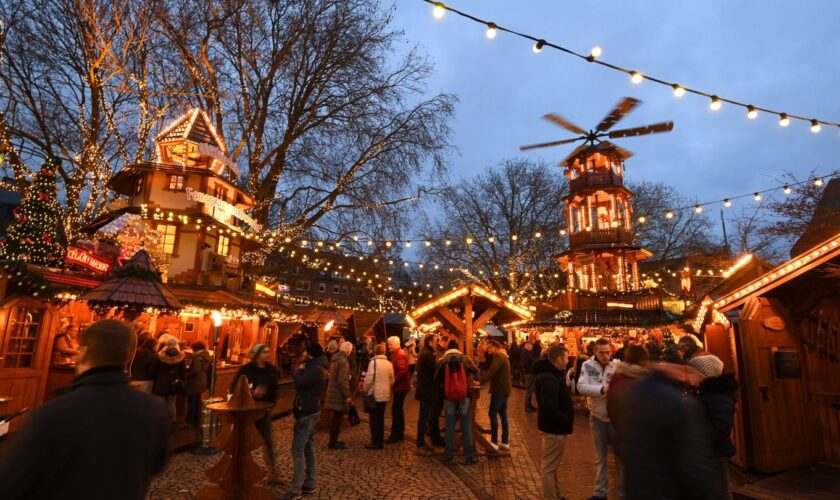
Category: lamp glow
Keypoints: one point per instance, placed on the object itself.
(636, 77)
(784, 121)
(491, 31)
(815, 126)
(715, 104)
(698, 208)
(217, 318)
(757, 196)
(818, 181)
(787, 189)
(727, 203)
(438, 11)
(537, 48)
(669, 215)
(752, 114)
(596, 52)
(678, 90)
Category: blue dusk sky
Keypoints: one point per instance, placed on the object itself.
(776, 54)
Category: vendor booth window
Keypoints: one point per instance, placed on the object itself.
(167, 237)
(223, 245)
(176, 182)
(21, 337)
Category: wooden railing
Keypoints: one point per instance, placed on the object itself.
(596, 179)
(595, 236)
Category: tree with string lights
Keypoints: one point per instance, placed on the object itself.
(33, 237)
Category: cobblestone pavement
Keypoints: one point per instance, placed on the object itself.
(398, 473)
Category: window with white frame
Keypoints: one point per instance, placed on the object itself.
(167, 234)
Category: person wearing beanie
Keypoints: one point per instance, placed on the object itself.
(310, 378)
(170, 371)
(100, 438)
(262, 379)
(718, 392)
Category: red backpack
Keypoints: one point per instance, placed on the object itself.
(455, 382)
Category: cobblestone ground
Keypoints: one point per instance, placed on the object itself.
(397, 473)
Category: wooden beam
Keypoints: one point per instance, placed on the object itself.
(450, 317)
(486, 316)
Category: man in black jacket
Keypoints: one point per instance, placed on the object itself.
(310, 380)
(262, 378)
(556, 416)
(101, 439)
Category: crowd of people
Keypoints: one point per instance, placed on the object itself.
(664, 407)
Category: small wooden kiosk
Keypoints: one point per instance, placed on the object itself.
(780, 332)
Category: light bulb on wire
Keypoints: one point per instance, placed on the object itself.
(784, 121)
(636, 77)
(752, 114)
(595, 52)
(818, 181)
(727, 202)
(698, 208)
(678, 90)
(491, 31)
(815, 126)
(438, 11)
(757, 196)
(537, 48)
(786, 189)
(669, 214)
(715, 104)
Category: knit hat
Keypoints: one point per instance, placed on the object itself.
(256, 350)
(708, 365)
(314, 349)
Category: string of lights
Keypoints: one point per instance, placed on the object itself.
(439, 10)
(389, 244)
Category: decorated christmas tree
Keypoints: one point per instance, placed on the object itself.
(33, 237)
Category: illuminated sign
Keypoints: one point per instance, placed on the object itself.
(82, 257)
(262, 288)
(222, 206)
(619, 305)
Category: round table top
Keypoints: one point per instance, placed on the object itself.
(258, 405)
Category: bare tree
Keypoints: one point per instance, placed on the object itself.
(684, 233)
(313, 96)
(502, 228)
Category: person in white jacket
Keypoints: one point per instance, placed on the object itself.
(594, 382)
(379, 378)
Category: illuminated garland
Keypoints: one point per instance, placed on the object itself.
(715, 101)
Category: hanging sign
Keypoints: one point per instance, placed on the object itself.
(222, 206)
(81, 257)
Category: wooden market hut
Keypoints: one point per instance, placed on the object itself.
(370, 324)
(780, 334)
(462, 311)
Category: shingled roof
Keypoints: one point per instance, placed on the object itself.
(134, 285)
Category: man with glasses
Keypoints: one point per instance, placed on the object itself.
(594, 382)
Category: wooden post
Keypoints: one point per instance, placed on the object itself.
(468, 325)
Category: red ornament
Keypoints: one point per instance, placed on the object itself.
(43, 196)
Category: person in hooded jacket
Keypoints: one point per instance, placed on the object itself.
(556, 416)
(498, 374)
(718, 392)
(310, 380)
(379, 378)
(196, 381)
(338, 392)
(169, 370)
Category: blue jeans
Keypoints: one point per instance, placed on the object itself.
(462, 407)
(498, 406)
(303, 452)
(602, 434)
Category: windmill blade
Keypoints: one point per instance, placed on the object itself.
(549, 144)
(620, 111)
(621, 151)
(562, 122)
(647, 129)
(573, 154)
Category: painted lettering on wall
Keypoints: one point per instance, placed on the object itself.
(82, 257)
(222, 206)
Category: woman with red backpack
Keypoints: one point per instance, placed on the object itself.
(453, 377)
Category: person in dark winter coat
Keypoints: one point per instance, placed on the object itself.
(338, 393)
(556, 416)
(428, 396)
(170, 371)
(142, 366)
(498, 374)
(196, 381)
(527, 356)
(718, 392)
(663, 439)
(310, 379)
(100, 439)
(262, 378)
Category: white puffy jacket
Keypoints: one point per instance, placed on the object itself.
(379, 378)
(594, 377)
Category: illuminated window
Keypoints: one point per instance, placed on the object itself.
(176, 182)
(223, 245)
(220, 192)
(167, 237)
(22, 331)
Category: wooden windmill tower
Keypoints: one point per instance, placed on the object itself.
(602, 256)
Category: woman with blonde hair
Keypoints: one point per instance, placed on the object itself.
(378, 381)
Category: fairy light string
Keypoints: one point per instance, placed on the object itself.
(637, 77)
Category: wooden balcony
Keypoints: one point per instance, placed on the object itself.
(601, 236)
(596, 179)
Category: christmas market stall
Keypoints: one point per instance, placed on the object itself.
(782, 340)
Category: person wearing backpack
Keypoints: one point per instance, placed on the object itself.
(378, 381)
(169, 374)
(453, 377)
